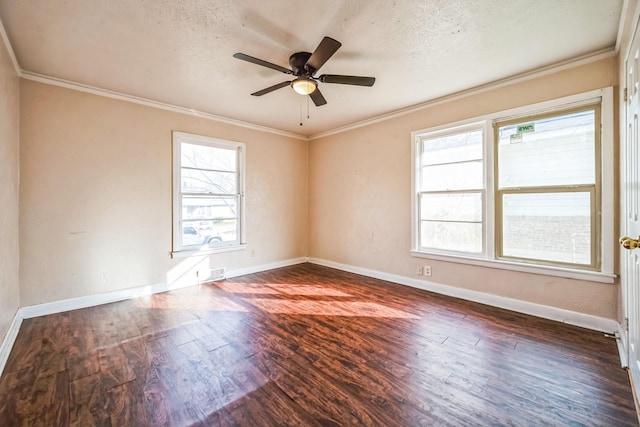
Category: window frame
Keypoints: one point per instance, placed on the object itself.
(178, 138)
(605, 170)
(594, 189)
(437, 133)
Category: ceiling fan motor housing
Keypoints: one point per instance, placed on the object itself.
(298, 63)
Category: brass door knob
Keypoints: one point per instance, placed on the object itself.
(629, 243)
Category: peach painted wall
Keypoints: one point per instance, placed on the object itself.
(96, 195)
(9, 183)
(360, 209)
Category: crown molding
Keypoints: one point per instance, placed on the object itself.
(41, 78)
(518, 78)
(7, 44)
(68, 84)
(624, 15)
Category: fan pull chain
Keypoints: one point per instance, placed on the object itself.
(308, 115)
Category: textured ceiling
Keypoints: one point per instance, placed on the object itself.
(180, 51)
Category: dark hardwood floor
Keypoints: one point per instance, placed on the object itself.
(309, 346)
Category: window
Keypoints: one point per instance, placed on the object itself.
(451, 190)
(208, 194)
(528, 189)
(547, 188)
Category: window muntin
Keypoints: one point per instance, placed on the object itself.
(547, 188)
(208, 193)
(451, 191)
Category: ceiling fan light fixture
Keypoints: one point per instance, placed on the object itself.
(304, 86)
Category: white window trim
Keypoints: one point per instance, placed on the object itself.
(461, 127)
(487, 259)
(178, 252)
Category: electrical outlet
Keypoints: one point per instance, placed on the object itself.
(426, 270)
(419, 271)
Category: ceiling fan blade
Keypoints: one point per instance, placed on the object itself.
(323, 52)
(271, 88)
(261, 62)
(347, 80)
(317, 98)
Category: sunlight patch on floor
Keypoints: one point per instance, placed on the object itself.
(190, 302)
(328, 308)
(280, 288)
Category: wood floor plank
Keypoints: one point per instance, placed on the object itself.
(27, 399)
(177, 381)
(309, 346)
(126, 407)
(88, 402)
(114, 367)
(333, 404)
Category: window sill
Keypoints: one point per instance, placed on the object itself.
(207, 251)
(591, 276)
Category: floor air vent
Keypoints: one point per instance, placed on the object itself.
(214, 274)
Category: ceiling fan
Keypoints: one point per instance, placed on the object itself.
(304, 66)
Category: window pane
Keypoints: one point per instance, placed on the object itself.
(452, 207)
(201, 181)
(547, 226)
(452, 148)
(454, 176)
(208, 209)
(214, 220)
(559, 151)
(190, 236)
(226, 231)
(209, 233)
(206, 157)
(454, 236)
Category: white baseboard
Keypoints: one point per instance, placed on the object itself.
(124, 294)
(96, 299)
(622, 341)
(553, 313)
(107, 297)
(9, 340)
